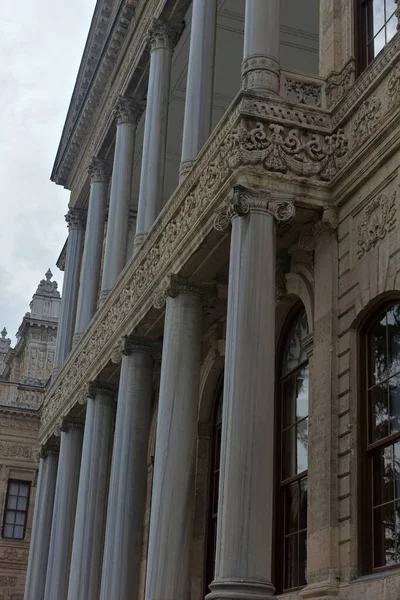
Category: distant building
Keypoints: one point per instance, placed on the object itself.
(24, 372)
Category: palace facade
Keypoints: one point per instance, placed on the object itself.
(24, 373)
(223, 418)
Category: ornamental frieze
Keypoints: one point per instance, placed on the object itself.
(17, 451)
(13, 555)
(7, 581)
(378, 221)
(368, 119)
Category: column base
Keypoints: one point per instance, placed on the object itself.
(261, 73)
(231, 589)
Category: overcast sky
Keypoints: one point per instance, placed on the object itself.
(41, 44)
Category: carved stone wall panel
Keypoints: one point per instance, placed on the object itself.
(10, 450)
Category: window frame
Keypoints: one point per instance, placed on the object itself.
(361, 34)
(280, 484)
(368, 451)
(25, 511)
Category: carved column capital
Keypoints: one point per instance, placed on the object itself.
(67, 423)
(76, 218)
(244, 201)
(309, 233)
(46, 450)
(99, 170)
(176, 285)
(162, 35)
(127, 110)
(132, 344)
(92, 388)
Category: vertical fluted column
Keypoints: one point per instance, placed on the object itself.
(66, 323)
(62, 529)
(162, 38)
(200, 81)
(127, 113)
(41, 529)
(260, 69)
(245, 511)
(99, 172)
(91, 508)
(126, 504)
(171, 519)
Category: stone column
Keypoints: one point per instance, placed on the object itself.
(126, 504)
(260, 68)
(245, 524)
(127, 113)
(162, 38)
(99, 171)
(41, 529)
(66, 322)
(172, 506)
(62, 529)
(91, 508)
(200, 81)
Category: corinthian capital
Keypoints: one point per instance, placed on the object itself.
(76, 218)
(127, 110)
(163, 35)
(176, 285)
(132, 344)
(244, 201)
(99, 170)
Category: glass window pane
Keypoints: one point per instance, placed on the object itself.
(379, 418)
(303, 504)
(302, 446)
(18, 532)
(393, 331)
(21, 505)
(289, 401)
(292, 508)
(394, 403)
(12, 502)
(294, 353)
(378, 353)
(13, 488)
(20, 518)
(23, 489)
(391, 6)
(291, 561)
(384, 536)
(10, 517)
(379, 42)
(378, 15)
(391, 28)
(383, 476)
(302, 393)
(302, 558)
(8, 530)
(289, 466)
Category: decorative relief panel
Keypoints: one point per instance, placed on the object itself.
(368, 119)
(17, 451)
(303, 92)
(378, 221)
(13, 555)
(7, 581)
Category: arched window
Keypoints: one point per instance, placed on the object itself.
(380, 501)
(376, 23)
(214, 486)
(292, 415)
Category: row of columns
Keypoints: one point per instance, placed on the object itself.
(260, 72)
(93, 548)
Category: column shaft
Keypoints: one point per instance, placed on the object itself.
(260, 70)
(91, 509)
(126, 505)
(64, 513)
(66, 322)
(171, 520)
(41, 529)
(127, 112)
(162, 38)
(200, 80)
(244, 535)
(91, 261)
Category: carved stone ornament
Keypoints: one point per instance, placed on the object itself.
(280, 149)
(379, 220)
(394, 85)
(130, 344)
(163, 35)
(309, 233)
(127, 110)
(86, 392)
(175, 285)
(303, 92)
(339, 83)
(7, 581)
(99, 170)
(244, 201)
(70, 423)
(76, 218)
(367, 120)
(45, 450)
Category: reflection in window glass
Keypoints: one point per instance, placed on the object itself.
(294, 454)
